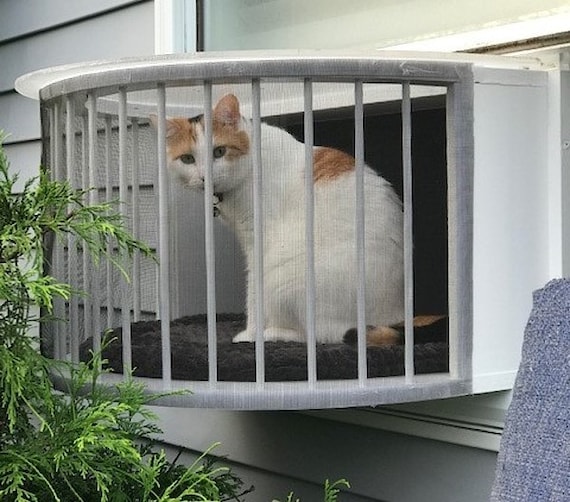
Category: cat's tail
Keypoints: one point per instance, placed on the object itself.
(427, 328)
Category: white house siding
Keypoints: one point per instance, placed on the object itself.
(289, 451)
(36, 34)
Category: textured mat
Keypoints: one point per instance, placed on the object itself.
(284, 361)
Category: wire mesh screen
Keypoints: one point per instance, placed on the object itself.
(311, 220)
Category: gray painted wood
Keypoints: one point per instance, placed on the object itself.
(24, 17)
(19, 117)
(379, 465)
(35, 34)
(127, 32)
(24, 158)
(269, 486)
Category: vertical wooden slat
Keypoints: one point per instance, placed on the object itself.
(459, 120)
(209, 236)
(408, 231)
(124, 199)
(57, 169)
(95, 292)
(86, 262)
(136, 219)
(310, 279)
(258, 233)
(109, 196)
(163, 239)
(71, 240)
(360, 230)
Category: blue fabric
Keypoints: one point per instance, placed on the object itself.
(534, 458)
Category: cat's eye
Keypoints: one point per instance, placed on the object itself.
(219, 151)
(187, 158)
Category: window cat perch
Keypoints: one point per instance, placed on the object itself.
(97, 133)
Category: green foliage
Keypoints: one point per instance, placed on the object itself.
(43, 209)
(332, 491)
(94, 442)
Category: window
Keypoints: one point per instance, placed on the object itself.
(324, 24)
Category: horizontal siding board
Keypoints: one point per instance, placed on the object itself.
(267, 485)
(24, 159)
(19, 117)
(128, 32)
(380, 465)
(24, 17)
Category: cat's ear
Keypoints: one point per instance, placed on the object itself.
(227, 110)
(172, 125)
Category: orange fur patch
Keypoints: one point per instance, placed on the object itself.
(382, 335)
(182, 136)
(393, 335)
(236, 141)
(329, 164)
(422, 320)
(226, 120)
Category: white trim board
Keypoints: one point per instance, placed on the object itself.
(474, 422)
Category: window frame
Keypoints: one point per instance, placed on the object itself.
(179, 27)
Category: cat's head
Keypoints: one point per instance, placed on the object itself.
(186, 147)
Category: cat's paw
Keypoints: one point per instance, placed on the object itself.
(282, 335)
(270, 335)
(244, 336)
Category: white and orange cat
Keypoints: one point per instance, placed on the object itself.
(284, 251)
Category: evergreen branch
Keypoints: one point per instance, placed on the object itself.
(38, 473)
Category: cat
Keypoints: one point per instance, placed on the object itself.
(284, 251)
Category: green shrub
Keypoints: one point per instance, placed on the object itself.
(93, 442)
(331, 491)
